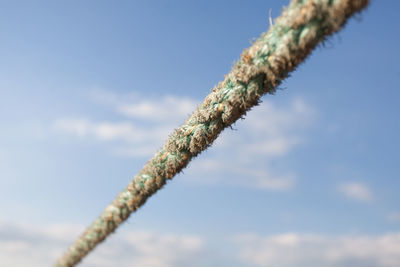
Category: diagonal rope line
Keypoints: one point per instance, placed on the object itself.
(302, 26)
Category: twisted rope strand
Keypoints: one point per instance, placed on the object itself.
(261, 68)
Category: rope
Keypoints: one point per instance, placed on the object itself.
(302, 26)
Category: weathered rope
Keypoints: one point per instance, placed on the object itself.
(261, 68)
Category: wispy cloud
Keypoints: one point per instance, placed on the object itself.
(104, 131)
(272, 130)
(356, 190)
(26, 246)
(219, 171)
(170, 109)
(268, 132)
(296, 250)
(165, 108)
(123, 138)
(148, 249)
(150, 122)
(264, 180)
(243, 157)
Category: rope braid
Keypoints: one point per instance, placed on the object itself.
(302, 26)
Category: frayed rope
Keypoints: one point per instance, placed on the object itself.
(302, 26)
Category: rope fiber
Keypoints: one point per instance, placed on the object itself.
(302, 26)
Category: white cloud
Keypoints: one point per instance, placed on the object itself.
(105, 131)
(276, 146)
(157, 108)
(150, 123)
(217, 171)
(147, 249)
(267, 118)
(165, 108)
(268, 132)
(357, 191)
(243, 157)
(26, 246)
(264, 180)
(298, 250)
(125, 131)
(23, 245)
(139, 150)
(273, 131)
(126, 138)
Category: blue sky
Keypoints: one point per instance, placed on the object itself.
(90, 90)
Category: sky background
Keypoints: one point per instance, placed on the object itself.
(89, 90)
